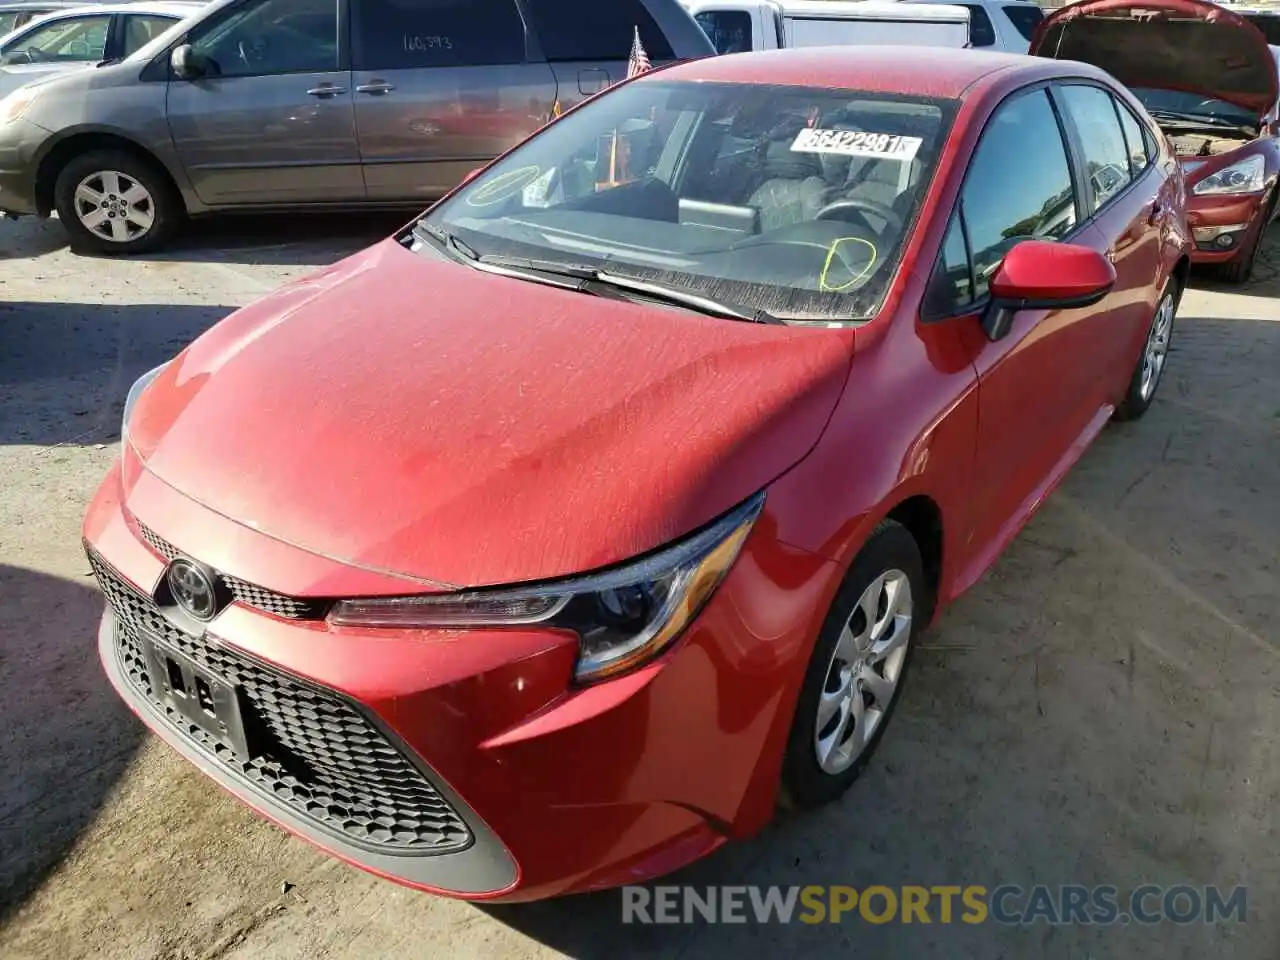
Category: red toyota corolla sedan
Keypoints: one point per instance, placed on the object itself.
(1209, 79)
(542, 547)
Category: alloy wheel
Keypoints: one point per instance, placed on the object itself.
(864, 672)
(1157, 348)
(114, 206)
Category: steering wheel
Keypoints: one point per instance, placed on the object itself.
(862, 207)
(35, 55)
(252, 53)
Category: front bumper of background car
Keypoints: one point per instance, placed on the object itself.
(1223, 226)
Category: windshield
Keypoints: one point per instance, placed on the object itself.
(1194, 104)
(794, 200)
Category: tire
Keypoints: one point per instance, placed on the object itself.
(141, 206)
(891, 552)
(1154, 357)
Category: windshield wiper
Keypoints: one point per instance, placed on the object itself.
(1199, 120)
(588, 277)
(443, 238)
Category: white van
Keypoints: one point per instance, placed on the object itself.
(1006, 25)
(735, 26)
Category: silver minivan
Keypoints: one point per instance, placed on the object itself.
(274, 104)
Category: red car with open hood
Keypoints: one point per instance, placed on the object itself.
(1209, 79)
(537, 548)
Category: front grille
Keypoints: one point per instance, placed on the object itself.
(317, 754)
(268, 601)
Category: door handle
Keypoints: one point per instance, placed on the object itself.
(1157, 213)
(375, 88)
(326, 90)
(1111, 255)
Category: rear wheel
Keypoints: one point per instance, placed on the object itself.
(857, 668)
(112, 201)
(1155, 352)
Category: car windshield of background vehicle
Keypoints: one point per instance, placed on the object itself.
(1192, 104)
(728, 30)
(1026, 17)
(797, 201)
(76, 39)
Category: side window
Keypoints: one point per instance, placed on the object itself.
(1026, 17)
(728, 30)
(1106, 157)
(596, 30)
(981, 31)
(951, 286)
(140, 30)
(1136, 140)
(70, 40)
(271, 37)
(1018, 186)
(411, 34)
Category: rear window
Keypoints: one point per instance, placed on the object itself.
(1026, 18)
(408, 34)
(728, 30)
(595, 30)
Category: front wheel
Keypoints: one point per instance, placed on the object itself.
(1155, 352)
(114, 202)
(857, 668)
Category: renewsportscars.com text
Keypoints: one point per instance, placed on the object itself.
(973, 904)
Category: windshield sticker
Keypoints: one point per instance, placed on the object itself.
(825, 283)
(857, 143)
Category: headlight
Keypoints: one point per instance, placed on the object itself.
(1243, 177)
(134, 393)
(623, 617)
(15, 104)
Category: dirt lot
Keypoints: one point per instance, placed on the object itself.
(1101, 709)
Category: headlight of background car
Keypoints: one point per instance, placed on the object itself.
(134, 393)
(1243, 177)
(623, 617)
(15, 104)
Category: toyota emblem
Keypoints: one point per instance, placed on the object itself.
(193, 589)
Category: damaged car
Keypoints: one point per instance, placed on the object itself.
(1209, 80)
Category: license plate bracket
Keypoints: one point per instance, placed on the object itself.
(198, 695)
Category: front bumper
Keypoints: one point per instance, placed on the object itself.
(1222, 227)
(21, 144)
(466, 763)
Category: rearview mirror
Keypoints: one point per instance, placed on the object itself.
(1042, 275)
(186, 63)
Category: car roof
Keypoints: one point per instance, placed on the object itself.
(923, 71)
(175, 8)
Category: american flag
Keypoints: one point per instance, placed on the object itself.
(638, 62)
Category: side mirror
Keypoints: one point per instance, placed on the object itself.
(186, 63)
(1042, 275)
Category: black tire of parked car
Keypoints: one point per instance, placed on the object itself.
(804, 783)
(1240, 269)
(167, 207)
(1134, 403)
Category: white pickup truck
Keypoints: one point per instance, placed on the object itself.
(735, 26)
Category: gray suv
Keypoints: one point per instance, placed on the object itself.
(275, 104)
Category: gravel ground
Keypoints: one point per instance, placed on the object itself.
(1101, 708)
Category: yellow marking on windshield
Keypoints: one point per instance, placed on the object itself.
(503, 186)
(826, 287)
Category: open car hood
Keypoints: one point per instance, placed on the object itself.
(1186, 45)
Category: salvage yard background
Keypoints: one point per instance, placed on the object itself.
(1102, 708)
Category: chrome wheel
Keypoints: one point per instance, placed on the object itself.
(1157, 348)
(114, 206)
(864, 672)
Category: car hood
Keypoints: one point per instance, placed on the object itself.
(1186, 45)
(412, 415)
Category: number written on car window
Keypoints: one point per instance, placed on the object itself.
(413, 43)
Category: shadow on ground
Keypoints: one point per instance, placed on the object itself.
(1100, 709)
(67, 738)
(65, 368)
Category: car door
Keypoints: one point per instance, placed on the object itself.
(1127, 213)
(1019, 186)
(441, 87)
(53, 46)
(588, 43)
(272, 119)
